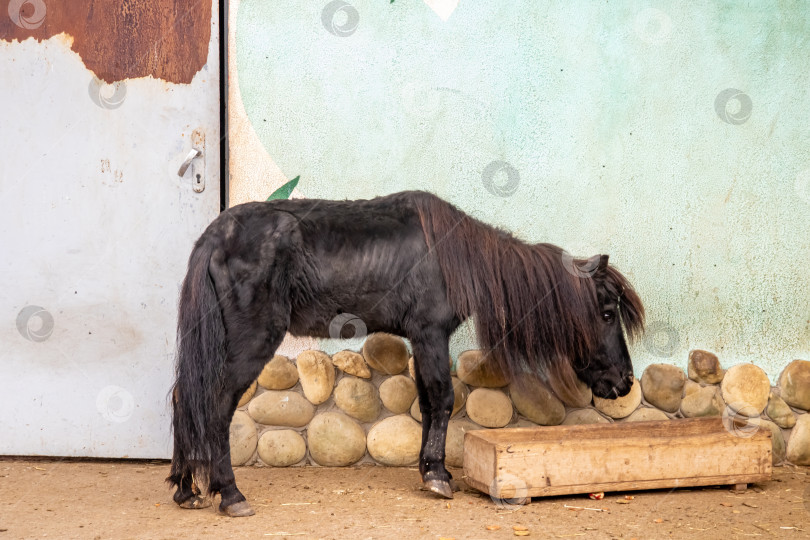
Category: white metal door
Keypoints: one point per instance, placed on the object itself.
(95, 229)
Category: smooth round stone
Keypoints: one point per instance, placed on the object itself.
(395, 441)
(704, 367)
(398, 393)
(584, 416)
(460, 393)
(281, 408)
(475, 369)
(795, 384)
(798, 446)
(581, 397)
(489, 408)
(352, 363)
(242, 438)
(577, 395)
(317, 375)
(706, 401)
(415, 411)
(278, 374)
(646, 414)
(335, 440)
(386, 353)
(534, 400)
(690, 387)
(620, 407)
(454, 447)
(282, 448)
(746, 389)
(662, 385)
(778, 448)
(248, 395)
(358, 399)
(779, 412)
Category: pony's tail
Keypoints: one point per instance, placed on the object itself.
(199, 369)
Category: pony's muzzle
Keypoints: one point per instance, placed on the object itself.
(623, 387)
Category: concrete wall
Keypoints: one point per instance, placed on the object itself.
(673, 136)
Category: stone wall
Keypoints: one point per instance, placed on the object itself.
(361, 407)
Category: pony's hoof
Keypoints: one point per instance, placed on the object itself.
(196, 502)
(240, 509)
(441, 487)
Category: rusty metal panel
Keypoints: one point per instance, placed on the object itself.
(95, 223)
(119, 39)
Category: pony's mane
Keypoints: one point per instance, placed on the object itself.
(534, 306)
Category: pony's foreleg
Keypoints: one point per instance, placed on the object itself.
(435, 389)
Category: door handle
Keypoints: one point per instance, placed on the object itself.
(195, 153)
(197, 170)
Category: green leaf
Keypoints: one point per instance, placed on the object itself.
(285, 191)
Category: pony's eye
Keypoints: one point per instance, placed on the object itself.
(608, 316)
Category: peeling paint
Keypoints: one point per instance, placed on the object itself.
(120, 39)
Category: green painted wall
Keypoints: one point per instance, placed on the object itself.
(613, 121)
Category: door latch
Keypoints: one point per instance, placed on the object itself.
(195, 160)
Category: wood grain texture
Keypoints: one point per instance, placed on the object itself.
(562, 460)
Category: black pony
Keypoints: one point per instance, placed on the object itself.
(409, 264)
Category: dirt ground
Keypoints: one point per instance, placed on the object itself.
(119, 499)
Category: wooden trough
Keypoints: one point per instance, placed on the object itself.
(560, 460)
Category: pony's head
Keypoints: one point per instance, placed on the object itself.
(607, 370)
(538, 310)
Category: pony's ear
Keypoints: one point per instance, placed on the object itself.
(600, 262)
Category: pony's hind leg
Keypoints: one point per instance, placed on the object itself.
(431, 365)
(240, 372)
(234, 312)
(188, 494)
(256, 314)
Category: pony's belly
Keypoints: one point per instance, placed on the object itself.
(344, 325)
(304, 330)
